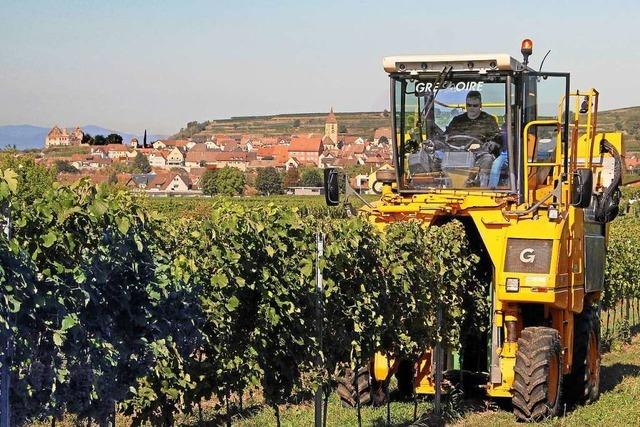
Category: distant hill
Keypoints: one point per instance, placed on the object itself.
(26, 137)
(359, 123)
(626, 120)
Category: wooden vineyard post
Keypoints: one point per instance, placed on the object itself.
(319, 400)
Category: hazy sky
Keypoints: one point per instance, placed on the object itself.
(130, 65)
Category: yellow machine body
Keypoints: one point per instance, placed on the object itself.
(507, 226)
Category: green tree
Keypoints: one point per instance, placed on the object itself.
(141, 164)
(296, 123)
(291, 178)
(354, 170)
(269, 181)
(121, 167)
(99, 140)
(342, 129)
(208, 182)
(114, 138)
(311, 177)
(230, 181)
(87, 139)
(64, 166)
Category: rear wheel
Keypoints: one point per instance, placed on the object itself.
(404, 376)
(538, 375)
(583, 384)
(362, 386)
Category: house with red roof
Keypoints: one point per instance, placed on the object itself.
(157, 159)
(219, 159)
(195, 176)
(632, 161)
(381, 133)
(306, 149)
(170, 181)
(262, 163)
(172, 143)
(296, 163)
(175, 157)
(279, 153)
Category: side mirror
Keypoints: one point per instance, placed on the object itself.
(331, 188)
(584, 107)
(582, 188)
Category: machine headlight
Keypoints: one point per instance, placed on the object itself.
(513, 284)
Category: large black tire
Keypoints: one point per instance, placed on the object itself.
(582, 385)
(404, 376)
(370, 391)
(538, 375)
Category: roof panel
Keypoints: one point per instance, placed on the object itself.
(464, 62)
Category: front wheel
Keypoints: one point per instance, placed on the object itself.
(538, 375)
(362, 387)
(583, 384)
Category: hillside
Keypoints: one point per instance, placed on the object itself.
(626, 120)
(365, 123)
(359, 123)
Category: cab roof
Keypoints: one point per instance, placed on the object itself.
(435, 63)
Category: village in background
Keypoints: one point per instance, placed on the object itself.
(281, 154)
(179, 166)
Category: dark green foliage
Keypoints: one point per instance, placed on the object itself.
(88, 139)
(114, 138)
(310, 177)
(109, 302)
(269, 181)
(141, 164)
(92, 306)
(229, 181)
(208, 181)
(291, 178)
(64, 166)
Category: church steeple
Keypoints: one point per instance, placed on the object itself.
(331, 127)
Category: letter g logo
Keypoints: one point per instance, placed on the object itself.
(527, 256)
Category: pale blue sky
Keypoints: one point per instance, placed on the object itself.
(136, 64)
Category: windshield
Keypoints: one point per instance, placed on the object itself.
(451, 133)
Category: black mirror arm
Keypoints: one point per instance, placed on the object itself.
(349, 191)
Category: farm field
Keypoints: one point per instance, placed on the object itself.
(115, 309)
(200, 207)
(619, 405)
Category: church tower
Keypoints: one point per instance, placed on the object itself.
(331, 127)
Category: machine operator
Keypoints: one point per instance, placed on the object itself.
(478, 124)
